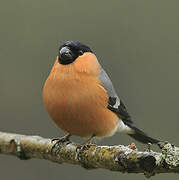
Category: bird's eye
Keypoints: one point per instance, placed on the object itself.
(81, 52)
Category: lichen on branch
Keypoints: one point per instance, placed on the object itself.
(126, 159)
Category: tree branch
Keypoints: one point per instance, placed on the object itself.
(115, 158)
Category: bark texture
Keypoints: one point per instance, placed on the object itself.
(126, 159)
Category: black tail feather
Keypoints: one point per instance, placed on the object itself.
(141, 136)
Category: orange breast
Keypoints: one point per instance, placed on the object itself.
(77, 102)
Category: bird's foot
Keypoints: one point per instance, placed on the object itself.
(86, 144)
(82, 147)
(60, 141)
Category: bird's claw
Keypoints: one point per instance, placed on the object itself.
(82, 147)
(60, 141)
(85, 145)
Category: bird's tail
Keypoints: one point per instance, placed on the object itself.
(141, 136)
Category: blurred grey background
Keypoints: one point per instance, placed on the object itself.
(136, 41)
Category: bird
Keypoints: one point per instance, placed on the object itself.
(81, 99)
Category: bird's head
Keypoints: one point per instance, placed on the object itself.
(70, 51)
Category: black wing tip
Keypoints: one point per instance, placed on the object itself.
(141, 136)
(144, 138)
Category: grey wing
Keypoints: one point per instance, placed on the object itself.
(114, 103)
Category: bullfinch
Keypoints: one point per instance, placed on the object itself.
(80, 97)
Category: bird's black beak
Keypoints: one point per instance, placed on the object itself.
(66, 56)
